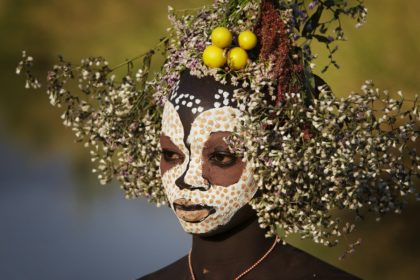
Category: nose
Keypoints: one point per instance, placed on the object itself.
(180, 182)
(192, 182)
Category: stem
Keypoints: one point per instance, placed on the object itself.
(163, 41)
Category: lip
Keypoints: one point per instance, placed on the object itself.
(191, 212)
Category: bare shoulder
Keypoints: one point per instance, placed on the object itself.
(293, 263)
(175, 271)
(285, 262)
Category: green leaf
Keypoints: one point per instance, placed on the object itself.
(330, 3)
(322, 39)
(313, 22)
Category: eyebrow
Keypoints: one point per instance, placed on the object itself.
(170, 141)
(207, 142)
(220, 131)
(178, 149)
(219, 143)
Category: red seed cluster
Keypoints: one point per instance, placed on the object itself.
(276, 45)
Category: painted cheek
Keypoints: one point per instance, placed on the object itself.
(223, 176)
(173, 129)
(163, 167)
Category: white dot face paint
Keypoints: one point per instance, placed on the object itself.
(205, 205)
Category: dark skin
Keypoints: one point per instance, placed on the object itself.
(228, 254)
(231, 249)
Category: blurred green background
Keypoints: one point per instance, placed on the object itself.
(386, 50)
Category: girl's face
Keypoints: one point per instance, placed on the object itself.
(204, 182)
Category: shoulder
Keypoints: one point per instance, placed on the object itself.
(294, 263)
(179, 269)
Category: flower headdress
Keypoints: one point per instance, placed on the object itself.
(311, 152)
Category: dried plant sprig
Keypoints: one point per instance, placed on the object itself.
(117, 120)
(26, 65)
(321, 20)
(360, 155)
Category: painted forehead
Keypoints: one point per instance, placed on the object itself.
(193, 95)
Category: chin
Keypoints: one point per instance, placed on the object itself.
(241, 218)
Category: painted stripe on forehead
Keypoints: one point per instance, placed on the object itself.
(192, 96)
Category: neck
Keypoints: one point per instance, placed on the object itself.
(230, 253)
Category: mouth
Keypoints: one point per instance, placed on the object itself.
(190, 212)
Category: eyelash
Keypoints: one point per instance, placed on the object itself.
(213, 158)
(168, 156)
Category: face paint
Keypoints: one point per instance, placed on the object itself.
(204, 183)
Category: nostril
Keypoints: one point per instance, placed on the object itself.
(180, 182)
(206, 183)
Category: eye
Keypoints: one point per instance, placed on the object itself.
(222, 159)
(171, 156)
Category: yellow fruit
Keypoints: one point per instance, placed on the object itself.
(221, 37)
(247, 40)
(237, 58)
(214, 57)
